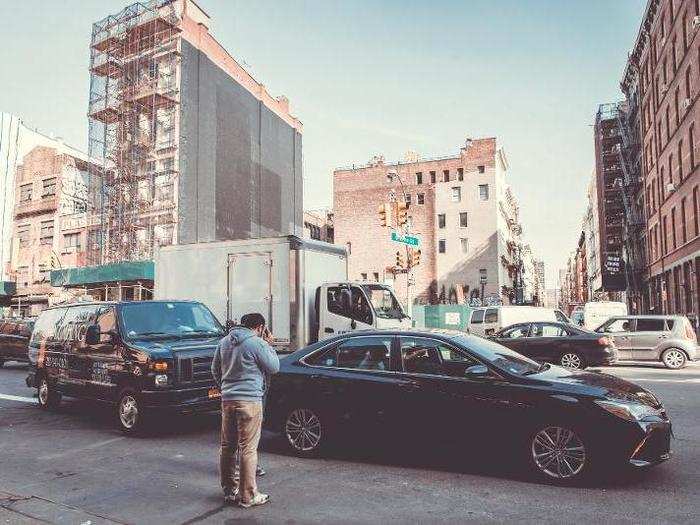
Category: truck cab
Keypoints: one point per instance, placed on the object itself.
(348, 306)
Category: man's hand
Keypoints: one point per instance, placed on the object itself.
(267, 336)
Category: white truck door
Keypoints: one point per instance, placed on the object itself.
(250, 285)
(343, 309)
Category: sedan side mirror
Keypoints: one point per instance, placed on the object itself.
(476, 371)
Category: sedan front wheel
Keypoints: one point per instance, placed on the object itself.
(572, 360)
(558, 453)
(304, 432)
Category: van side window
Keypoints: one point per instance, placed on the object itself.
(45, 327)
(74, 324)
(478, 317)
(491, 316)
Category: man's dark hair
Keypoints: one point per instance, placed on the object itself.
(253, 320)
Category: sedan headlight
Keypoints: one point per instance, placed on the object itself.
(161, 380)
(628, 410)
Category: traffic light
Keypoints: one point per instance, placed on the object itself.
(399, 260)
(382, 214)
(415, 257)
(402, 213)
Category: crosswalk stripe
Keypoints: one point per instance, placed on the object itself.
(21, 399)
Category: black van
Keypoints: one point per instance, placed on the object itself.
(136, 356)
(14, 338)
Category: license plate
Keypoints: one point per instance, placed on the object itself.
(214, 392)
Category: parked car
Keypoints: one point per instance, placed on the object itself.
(134, 356)
(14, 339)
(429, 385)
(670, 339)
(489, 320)
(560, 343)
(595, 313)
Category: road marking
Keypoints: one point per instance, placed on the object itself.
(19, 398)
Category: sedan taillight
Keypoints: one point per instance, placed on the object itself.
(689, 332)
(605, 341)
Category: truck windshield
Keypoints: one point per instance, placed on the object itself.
(168, 319)
(383, 302)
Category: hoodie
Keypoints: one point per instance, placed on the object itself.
(242, 362)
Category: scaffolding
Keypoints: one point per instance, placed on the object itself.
(133, 132)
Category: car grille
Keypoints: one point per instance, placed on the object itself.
(656, 444)
(195, 369)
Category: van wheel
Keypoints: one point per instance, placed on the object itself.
(130, 416)
(674, 358)
(49, 399)
(572, 361)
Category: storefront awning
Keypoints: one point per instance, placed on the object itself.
(104, 273)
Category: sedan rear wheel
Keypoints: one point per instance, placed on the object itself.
(673, 358)
(558, 453)
(304, 431)
(572, 360)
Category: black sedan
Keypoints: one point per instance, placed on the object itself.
(560, 343)
(431, 385)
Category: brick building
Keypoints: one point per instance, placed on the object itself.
(665, 62)
(50, 228)
(460, 206)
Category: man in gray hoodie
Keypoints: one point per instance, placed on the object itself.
(241, 364)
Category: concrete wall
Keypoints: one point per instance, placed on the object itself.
(240, 163)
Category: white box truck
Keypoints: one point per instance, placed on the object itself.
(299, 285)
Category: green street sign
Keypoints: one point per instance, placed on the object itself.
(409, 239)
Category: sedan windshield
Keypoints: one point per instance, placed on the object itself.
(171, 319)
(384, 302)
(500, 356)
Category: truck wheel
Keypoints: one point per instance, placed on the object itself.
(130, 416)
(674, 358)
(49, 399)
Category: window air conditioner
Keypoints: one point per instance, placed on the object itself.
(670, 187)
(686, 104)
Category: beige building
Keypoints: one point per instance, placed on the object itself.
(50, 228)
(318, 225)
(462, 209)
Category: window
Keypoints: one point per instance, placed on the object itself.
(442, 220)
(408, 199)
(478, 316)
(422, 355)
(680, 161)
(419, 178)
(696, 224)
(691, 145)
(363, 276)
(491, 315)
(464, 243)
(362, 353)
(463, 219)
(442, 246)
(547, 330)
(617, 326)
(446, 175)
(25, 193)
(376, 276)
(517, 332)
(432, 177)
(482, 169)
(456, 194)
(484, 192)
(23, 234)
(673, 227)
(684, 230)
(46, 233)
(48, 187)
(460, 174)
(420, 198)
(650, 325)
(350, 303)
(687, 83)
(71, 240)
(94, 239)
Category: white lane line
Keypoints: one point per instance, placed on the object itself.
(21, 399)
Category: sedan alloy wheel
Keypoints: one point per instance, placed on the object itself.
(558, 453)
(571, 360)
(303, 430)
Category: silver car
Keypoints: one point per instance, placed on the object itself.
(670, 339)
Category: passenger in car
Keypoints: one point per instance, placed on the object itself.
(375, 359)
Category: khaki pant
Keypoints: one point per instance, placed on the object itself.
(241, 422)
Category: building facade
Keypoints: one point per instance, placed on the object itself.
(50, 223)
(462, 209)
(665, 67)
(190, 147)
(318, 225)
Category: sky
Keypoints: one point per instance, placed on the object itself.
(381, 77)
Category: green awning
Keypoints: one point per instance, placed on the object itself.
(8, 288)
(104, 273)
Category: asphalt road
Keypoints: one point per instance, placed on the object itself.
(74, 466)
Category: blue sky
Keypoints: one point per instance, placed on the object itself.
(382, 77)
